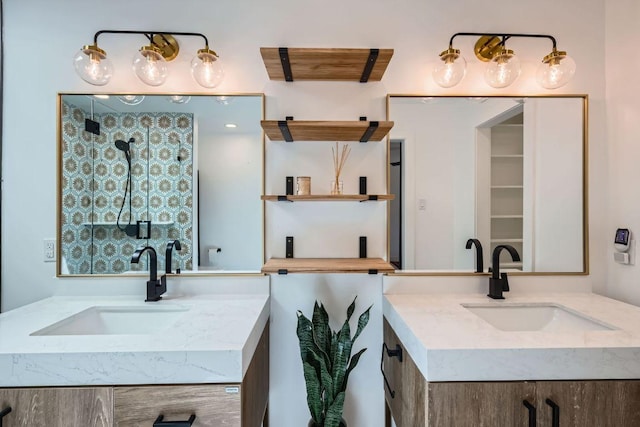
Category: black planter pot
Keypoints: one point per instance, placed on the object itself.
(343, 423)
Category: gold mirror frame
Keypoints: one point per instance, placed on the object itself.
(585, 185)
(59, 201)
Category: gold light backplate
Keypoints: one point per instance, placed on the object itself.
(167, 44)
(486, 47)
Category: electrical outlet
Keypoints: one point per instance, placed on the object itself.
(49, 250)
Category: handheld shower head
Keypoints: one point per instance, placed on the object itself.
(125, 147)
(122, 145)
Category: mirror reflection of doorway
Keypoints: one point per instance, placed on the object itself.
(395, 218)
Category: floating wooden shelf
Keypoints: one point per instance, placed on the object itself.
(113, 223)
(301, 130)
(360, 65)
(327, 265)
(328, 197)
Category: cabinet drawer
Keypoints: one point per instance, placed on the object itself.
(57, 407)
(408, 405)
(214, 405)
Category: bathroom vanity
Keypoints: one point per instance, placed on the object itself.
(122, 362)
(548, 360)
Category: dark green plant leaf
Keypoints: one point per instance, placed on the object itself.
(322, 332)
(334, 414)
(343, 353)
(362, 322)
(305, 335)
(351, 308)
(352, 364)
(314, 392)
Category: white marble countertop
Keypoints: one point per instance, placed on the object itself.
(212, 342)
(449, 343)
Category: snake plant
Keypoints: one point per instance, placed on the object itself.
(327, 362)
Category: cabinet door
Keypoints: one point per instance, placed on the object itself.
(57, 407)
(590, 403)
(479, 404)
(408, 404)
(214, 405)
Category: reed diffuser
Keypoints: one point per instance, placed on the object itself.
(339, 159)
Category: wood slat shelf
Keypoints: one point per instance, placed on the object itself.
(327, 265)
(333, 64)
(328, 197)
(310, 130)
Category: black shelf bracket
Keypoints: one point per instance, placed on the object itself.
(363, 246)
(371, 197)
(373, 271)
(286, 64)
(368, 67)
(283, 271)
(370, 130)
(284, 128)
(284, 199)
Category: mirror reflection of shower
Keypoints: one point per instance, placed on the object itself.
(125, 146)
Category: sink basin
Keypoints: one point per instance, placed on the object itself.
(535, 317)
(116, 320)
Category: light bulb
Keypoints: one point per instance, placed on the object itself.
(556, 70)
(452, 69)
(503, 69)
(206, 68)
(150, 66)
(92, 65)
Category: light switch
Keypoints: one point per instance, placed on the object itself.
(422, 204)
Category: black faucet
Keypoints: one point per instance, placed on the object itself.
(155, 287)
(479, 262)
(167, 258)
(499, 283)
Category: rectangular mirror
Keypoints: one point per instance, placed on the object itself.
(145, 170)
(503, 170)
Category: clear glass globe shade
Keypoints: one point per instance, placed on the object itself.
(93, 67)
(206, 71)
(150, 67)
(131, 99)
(556, 73)
(450, 73)
(502, 71)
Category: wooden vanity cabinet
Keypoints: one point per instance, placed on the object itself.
(418, 403)
(231, 405)
(57, 407)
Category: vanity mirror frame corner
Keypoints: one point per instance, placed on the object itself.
(258, 246)
(584, 128)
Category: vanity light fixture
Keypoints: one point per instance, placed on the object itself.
(230, 125)
(503, 68)
(150, 62)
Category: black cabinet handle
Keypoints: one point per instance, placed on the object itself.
(532, 413)
(4, 412)
(159, 423)
(555, 414)
(390, 353)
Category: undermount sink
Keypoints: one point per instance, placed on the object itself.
(116, 320)
(546, 317)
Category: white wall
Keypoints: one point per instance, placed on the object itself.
(230, 214)
(42, 36)
(623, 148)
